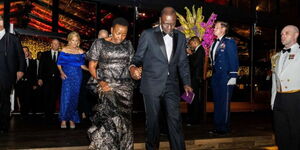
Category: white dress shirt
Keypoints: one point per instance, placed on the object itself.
(169, 44)
(215, 48)
(27, 62)
(53, 52)
(2, 32)
(197, 48)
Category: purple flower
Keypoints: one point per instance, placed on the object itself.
(208, 37)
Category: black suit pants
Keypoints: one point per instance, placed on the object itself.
(4, 107)
(195, 109)
(169, 101)
(23, 91)
(286, 120)
(51, 94)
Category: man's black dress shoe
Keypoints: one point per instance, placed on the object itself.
(216, 132)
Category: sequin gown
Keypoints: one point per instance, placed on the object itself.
(71, 85)
(111, 125)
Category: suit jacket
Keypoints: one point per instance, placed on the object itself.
(286, 79)
(13, 59)
(48, 68)
(196, 64)
(30, 74)
(226, 58)
(151, 54)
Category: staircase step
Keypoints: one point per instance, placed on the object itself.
(228, 143)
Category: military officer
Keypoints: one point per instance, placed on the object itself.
(285, 100)
(224, 59)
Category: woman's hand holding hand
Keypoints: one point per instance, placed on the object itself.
(104, 86)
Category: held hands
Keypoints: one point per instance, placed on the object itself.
(136, 72)
(231, 81)
(187, 89)
(104, 86)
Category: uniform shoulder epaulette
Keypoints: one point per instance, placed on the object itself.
(274, 59)
(229, 38)
(275, 55)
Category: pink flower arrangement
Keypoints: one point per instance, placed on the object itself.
(208, 37)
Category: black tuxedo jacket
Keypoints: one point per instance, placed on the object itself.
(13, 59)
(48, 68)
(31, 72)
(151, 55)
(196, 64)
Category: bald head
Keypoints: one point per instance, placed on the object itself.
(168, 19)
(289, 35)
(168, 11)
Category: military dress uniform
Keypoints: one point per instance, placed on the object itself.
(285, 100)
(224, 58)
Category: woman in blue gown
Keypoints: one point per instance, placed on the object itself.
(70, 63)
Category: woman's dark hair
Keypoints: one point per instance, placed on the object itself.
(120, 21)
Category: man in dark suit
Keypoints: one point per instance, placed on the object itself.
(224, 58)
(27, 85)
(12, 67)
(49, 78)
(197, 65)
(160, 56)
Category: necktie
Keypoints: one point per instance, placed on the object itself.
(286, 50)
(215, 45)
(54, 56)
(170, 34)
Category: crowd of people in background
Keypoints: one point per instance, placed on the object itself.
(70, 77)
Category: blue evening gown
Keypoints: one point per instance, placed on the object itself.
(71, 85)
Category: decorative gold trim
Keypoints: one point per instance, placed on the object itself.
(274, 61)
(291, 91)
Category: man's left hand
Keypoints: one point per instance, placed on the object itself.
(187, 89)
(19, 75)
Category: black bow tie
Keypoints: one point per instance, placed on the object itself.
(286, 50)
(170, 34)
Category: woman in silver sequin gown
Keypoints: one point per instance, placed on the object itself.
(109, 61)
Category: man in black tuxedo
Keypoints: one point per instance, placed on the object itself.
(27, 85)
(12, 67)
(49, 78)
(160, 56)
(197, 65)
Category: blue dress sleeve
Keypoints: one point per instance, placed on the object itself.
(82, 59)
(62, 59)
